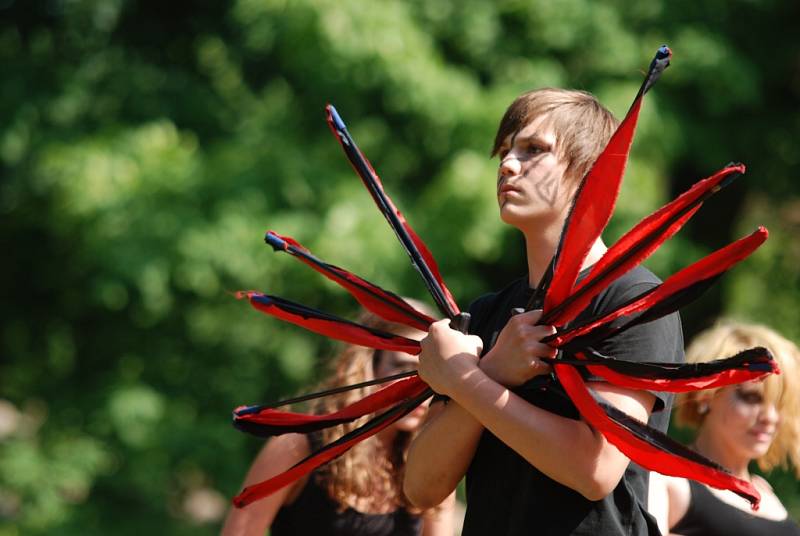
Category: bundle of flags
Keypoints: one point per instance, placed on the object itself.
(563, 298)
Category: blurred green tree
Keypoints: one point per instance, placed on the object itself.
(145, 147)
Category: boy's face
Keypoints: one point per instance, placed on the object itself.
(531, 188)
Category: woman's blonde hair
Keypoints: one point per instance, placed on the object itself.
(727, 338)
(368, 471)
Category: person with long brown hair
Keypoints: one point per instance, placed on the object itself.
(359, 493)
(758, 421)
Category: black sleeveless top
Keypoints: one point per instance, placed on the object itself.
(709, 516)
(314, 512)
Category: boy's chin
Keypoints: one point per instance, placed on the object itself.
(523, 219)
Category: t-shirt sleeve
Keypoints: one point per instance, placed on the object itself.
(657, 341)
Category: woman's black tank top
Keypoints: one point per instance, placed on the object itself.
(709, 516)
(314, 512)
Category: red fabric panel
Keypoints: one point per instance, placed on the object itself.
(621, 257)
(354, 285)
(338, 330)
(592, 209)
(270, 486)
(681, 385)
(642, 452)
(709, 266)
(377, 401)
(429, 260)
(381, 193)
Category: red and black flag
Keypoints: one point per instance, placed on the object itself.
(563, 298)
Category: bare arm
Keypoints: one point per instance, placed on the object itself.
(658, 501)
(440, 454)
(668, 500)
(440, 521)
(542, 437)
(679, 495)
(449, 364)
(278, 454)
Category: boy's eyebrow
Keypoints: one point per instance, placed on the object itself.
(535, 138)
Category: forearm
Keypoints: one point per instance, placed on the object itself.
(246, 522)
(542, 437)
(440, 521)
(440, 454)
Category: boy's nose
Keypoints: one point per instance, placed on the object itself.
(509, 166)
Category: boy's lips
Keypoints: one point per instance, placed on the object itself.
(506, 187)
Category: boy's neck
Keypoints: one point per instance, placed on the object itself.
(540, 248)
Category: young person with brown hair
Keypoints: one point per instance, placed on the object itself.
(359, 493)
(532, 465)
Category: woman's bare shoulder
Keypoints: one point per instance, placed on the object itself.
(289, 446)
(679, 496)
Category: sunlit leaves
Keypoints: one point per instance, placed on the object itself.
(143, 155)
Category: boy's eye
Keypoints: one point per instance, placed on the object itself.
(536, 149)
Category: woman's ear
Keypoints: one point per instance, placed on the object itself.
(703, 403)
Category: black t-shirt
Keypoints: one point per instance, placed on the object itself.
(506, 495)
(314, 512)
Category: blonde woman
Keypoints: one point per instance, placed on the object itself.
(736, 425)
(360, 493)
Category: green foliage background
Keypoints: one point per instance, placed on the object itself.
(145, 147)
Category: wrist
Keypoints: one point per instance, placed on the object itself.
(467, 384)
(498, 370)
(486, 364)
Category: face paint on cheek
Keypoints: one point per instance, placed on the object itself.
(547, 188)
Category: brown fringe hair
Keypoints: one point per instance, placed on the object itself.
(727, 338)
(582, 125)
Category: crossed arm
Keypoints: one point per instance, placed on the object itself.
(480, 399)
